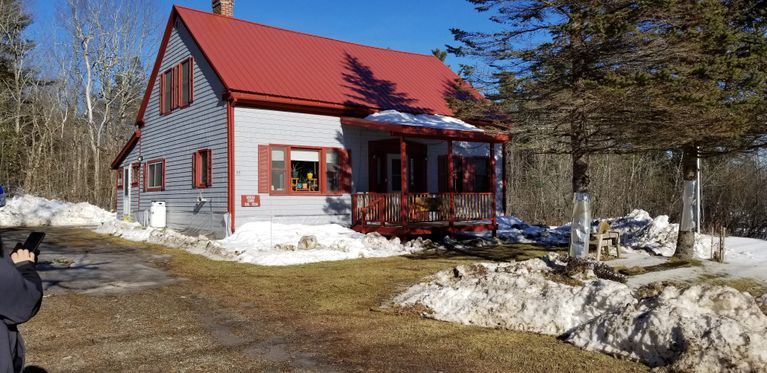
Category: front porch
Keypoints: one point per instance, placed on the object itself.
(424, 213)
(415, 185)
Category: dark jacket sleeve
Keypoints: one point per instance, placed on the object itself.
(21, 291)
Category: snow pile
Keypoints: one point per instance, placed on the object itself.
(701, 328)
(269, 243)
(638, 230)
(165, 237)
(517, 296)
(421, 120)
(31, 211)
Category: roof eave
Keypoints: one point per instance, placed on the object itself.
(414, 131)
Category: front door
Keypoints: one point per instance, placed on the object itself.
(393, 173)
(126, 190)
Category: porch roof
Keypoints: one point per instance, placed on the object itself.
(414, 130)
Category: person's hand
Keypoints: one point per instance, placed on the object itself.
(21, 254)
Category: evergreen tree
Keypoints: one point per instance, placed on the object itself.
(624, 76)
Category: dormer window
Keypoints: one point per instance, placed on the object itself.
(177, 87)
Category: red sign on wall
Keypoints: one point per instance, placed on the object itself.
(251, 200)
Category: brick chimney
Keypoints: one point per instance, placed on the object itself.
(224, 7)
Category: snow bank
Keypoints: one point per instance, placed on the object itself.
(518, 296)
(422, 120)
(166, 237)
(31, 211)
(698, 329)
(638, 231)
(701, 328)
(267, 243)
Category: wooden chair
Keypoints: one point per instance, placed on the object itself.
(606, 239)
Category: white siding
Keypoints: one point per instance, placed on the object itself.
(255, 127)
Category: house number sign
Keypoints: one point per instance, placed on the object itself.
(251, 200)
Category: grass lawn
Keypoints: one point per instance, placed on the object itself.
(334, 307)
(225, 316)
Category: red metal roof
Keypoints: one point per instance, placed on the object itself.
(264, 60)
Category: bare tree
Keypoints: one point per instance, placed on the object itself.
(109, 41)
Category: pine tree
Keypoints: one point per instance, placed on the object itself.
(625, 76)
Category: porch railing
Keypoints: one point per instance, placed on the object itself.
(385, 208)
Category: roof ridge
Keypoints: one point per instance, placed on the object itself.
(304, 33)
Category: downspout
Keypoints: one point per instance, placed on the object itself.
(230, 102)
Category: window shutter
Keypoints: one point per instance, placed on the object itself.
(163, 175)
(162, 93)
(344, 161)
(195, 158)
(191, 79)
(209, 182)
(263, 168)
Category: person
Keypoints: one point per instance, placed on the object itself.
(21, 293)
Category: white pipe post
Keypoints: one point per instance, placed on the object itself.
(697, 198)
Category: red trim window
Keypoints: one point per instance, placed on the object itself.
(154, 173)
(202, 167)
(135, 174)
(307, 170)
(120, 177)
(177, 86)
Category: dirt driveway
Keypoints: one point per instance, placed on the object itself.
(113, 305)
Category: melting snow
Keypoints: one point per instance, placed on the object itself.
(700, 328)
(422, 120)
(31, 211)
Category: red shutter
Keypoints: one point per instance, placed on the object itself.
(209, 182)
(163, 175)
(263, 168)
(191, 79)
(195, 174)
(162, 93)
(345, 162)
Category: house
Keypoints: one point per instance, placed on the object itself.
(243, 122)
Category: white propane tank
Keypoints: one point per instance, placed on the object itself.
(157, 214)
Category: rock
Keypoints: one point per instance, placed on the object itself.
(308, 242)
(762, 302)
(285, 247)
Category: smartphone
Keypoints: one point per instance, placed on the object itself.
(33, 242)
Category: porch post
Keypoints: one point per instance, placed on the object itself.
(403, 182)
(493, 187)
(450, 185)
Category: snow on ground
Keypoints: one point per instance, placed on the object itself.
(696, 329)
(515, 296)
(422, 120)
(166, 237)
(269, 243)
(30, 211)
(701, 328)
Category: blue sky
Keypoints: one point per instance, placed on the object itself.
(409, 25)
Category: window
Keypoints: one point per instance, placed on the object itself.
(470, 174)
(177, 86)
(135, 170)
(120, 177)
(202, 168)
(303, 170)
(154, 175)
(332, 171)
(278, 169)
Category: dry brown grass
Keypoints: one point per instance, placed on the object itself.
(236, 317)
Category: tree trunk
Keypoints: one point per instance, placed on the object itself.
(685, 242)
